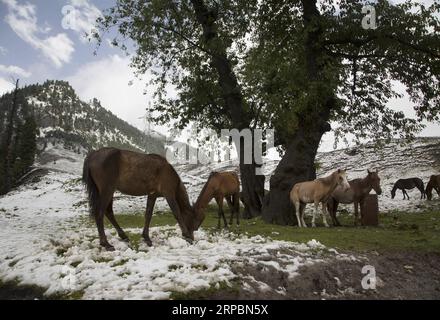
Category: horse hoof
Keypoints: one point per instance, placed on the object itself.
(124, 239)
(109, 247)
(148, 242)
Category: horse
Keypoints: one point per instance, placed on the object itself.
(409, 183)
(434, 183)
(359, 189)
(316, 191)
(137, 174)
(221, 185)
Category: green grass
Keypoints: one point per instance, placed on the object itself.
(397, 230)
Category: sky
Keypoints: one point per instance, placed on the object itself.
(40, 40)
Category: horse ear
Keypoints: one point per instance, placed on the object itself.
(339, 170)
(368, 170)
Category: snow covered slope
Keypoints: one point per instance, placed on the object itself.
(61, 116)
(394, 161)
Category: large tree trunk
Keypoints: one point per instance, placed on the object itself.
(298, 163)
(253, 189)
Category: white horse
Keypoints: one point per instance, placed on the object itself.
(316, 191)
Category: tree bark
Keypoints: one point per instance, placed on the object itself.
(253, 188)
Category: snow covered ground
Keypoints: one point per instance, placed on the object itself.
(45, 240)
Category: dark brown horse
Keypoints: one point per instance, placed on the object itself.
(359, 189)
(434, 183)
(221, 185)
(136, 174)
(409, 183)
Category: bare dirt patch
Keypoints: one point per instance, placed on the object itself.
(400, 275)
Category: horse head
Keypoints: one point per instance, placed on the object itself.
(374, 181)
(342, 179)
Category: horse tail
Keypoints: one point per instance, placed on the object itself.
(92, 190)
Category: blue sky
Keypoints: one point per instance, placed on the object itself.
(40, 40)
(45, 39)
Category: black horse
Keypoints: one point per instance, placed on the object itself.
(410, 183)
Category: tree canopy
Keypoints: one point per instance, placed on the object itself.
(294, 66)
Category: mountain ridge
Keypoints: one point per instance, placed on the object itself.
(63, 118)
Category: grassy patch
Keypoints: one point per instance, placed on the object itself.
(397, 230)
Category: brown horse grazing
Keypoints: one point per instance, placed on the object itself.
(220, 185)
(410, 183)
(434, 183)
(359, 189)
(316, 191)
(136, 174)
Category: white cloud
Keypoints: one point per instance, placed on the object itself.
(5, 86)
(108, 80)
(23, 20)
(80, 16)
(14, 70)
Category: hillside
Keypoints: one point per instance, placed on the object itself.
(62, 118)
(418, 159)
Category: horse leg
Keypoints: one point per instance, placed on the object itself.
(151, 200)
(298, 213)
(229, 201)
(111, 217)
(236, 203)
(406, 194)
(324, 213)
(403, 191)
(315, 213)
(222, 211)
(332, 207)
(301, 209)
(356, 213)
(104, 200)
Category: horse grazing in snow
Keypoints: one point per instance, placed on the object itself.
(434, 183)
(359, 189)
(221, 185)
(136, 174)
(316, 191)
(409, 183)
